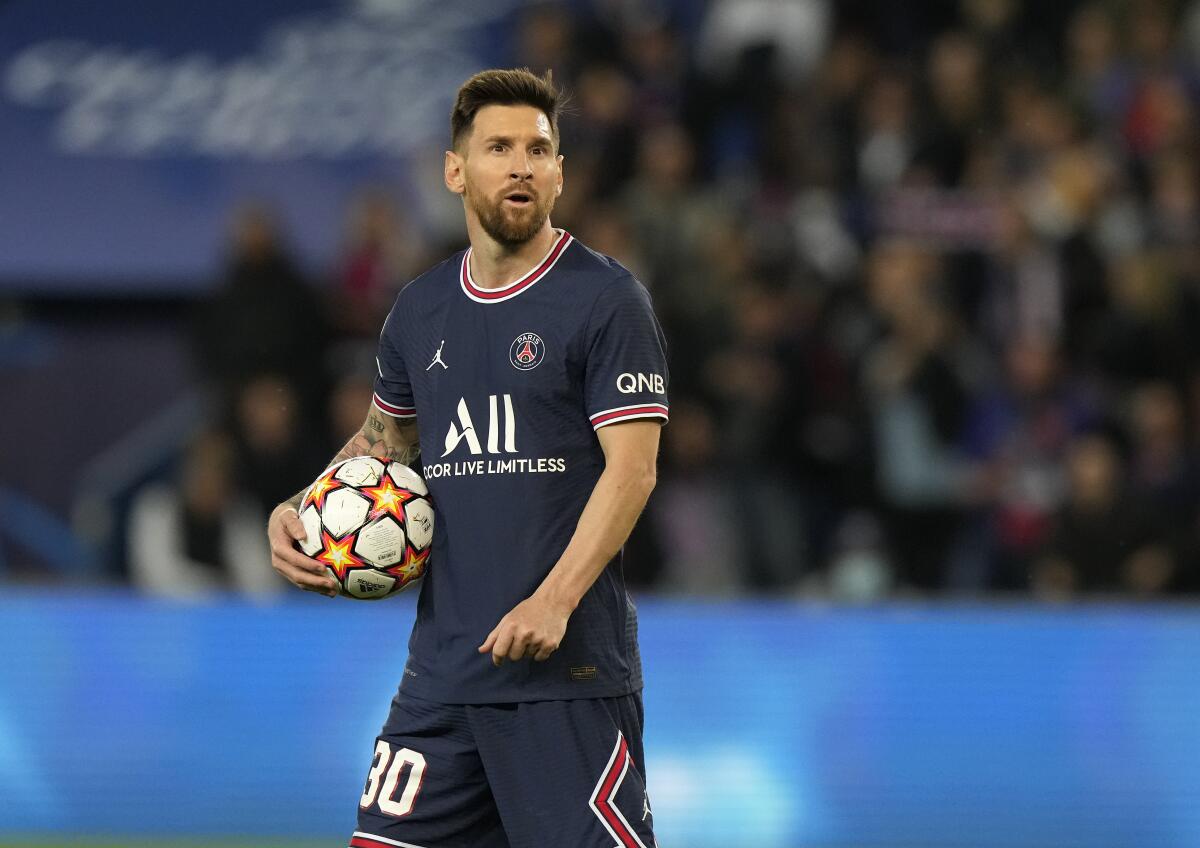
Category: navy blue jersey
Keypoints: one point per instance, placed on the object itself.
(508, 387)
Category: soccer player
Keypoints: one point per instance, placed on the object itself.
(535, 371)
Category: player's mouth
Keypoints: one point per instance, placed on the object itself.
(519, 199)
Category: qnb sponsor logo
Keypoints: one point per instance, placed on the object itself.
(628, 384)
(501, 419)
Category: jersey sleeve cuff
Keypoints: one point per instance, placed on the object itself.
(628, 413)
(394, 410)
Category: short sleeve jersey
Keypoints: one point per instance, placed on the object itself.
(509, 387)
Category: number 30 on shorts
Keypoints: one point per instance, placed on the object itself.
(389, 804)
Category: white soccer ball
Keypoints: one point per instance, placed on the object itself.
(370, 521)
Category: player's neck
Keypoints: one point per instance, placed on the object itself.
(494, 265)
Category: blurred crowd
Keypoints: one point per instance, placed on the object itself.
(930, 277)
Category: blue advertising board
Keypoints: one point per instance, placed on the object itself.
(130, 131)
(768, 725)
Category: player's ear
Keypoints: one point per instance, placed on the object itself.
(558, 188)
(453, 173)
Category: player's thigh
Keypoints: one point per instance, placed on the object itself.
(426, 787)
(567, 772)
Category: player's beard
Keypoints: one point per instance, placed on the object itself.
(510, 226)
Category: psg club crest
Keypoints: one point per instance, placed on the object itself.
(527, 351)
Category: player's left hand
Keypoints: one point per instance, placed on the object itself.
(533, 628)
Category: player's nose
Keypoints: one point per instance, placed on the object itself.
(522, 169)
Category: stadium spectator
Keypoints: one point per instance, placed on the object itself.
(378, 257)
(956, 110)
(604, 99)
(1102, 541)
(749, 379)
(201, 534)
(1097, 75)
(349, 395)
(675, 225)
(860, 570)
(1019, 433)
(238, 330)
(918, 400)
(1165, 471)
(690, 512)
(275, 450)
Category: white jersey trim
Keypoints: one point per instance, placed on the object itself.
(361, 835)
(502, 293)
(629, 413)
(391, 408)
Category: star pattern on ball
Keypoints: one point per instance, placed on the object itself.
(321, 487)
(413, 566)
(387, 498)
(337, 555)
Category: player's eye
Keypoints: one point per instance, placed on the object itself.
(497, 148)
(537, 151)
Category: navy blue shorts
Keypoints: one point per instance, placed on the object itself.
(541, 773)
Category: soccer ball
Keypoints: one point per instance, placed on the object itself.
(370, 522)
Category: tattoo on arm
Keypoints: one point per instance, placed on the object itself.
(386, 438)
(383, 438)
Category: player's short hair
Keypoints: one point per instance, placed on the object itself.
(504, 87)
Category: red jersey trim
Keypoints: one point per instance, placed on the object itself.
(393, 410)
(369, 840)
(517, 286)
(629, 413)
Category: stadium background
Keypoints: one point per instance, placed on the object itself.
(920, 568)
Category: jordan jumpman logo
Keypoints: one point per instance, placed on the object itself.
(437, 358)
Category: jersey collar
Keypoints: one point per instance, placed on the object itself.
(517, 286)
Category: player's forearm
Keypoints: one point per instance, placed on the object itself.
(606, 522)
(381, 436)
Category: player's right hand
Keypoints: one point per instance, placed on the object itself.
(284, 529)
